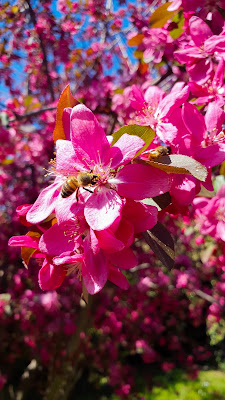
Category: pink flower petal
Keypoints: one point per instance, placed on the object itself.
(66, 158)
(220, 229)
(116, 277)
(24, 241)
(102, 208)
(166, 132)
(142, 216)
(45, 204)
(69, 207)
(201, 71)
(60, 238)
(154, 95)
(66, 121)
(183, 189)
(136, 98)
(94, 269)
(194, 122)
(125, 149)
(88, 138)
(212, 155)
(50, 277)
(124, 259)
(214, 118)
(108, 242)
(199, 31)
(171, 102)
(95, 246)
(125, 232)
(138, 182)
(65, 258)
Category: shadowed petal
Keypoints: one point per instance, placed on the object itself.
(124, 259)
(116, 277)
(94, 269)
(50, 277)
(60, 238)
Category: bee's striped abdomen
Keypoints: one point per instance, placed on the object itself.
(69, 187)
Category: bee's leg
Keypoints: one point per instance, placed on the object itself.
(88, 190)
(77, 194)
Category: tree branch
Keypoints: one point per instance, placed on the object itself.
(19, 117)
(45, 61)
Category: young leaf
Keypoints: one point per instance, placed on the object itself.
(161, 15)
(66, 100)
(144, 132)
(161, 242)
(135, 40)
(27, 252)
(178, 164)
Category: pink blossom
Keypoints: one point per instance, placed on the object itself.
(156, 43)
(154, 109)
(210, 214)
(212, 90)
(88, 150)
(199, 52)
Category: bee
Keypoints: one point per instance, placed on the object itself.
(158, 152)
(73, 183)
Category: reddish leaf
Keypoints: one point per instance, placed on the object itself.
(66, 100)
(27, 252)
(136, 40)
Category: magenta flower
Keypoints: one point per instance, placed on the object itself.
(210, 214)
(156, 43)
(212, 90)
(197, 136)
(50, 276)
(154, 109)
(198, 53)
(89, 150)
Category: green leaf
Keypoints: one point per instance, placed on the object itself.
(144, 132)
(162, 201)
(4, 118)
(178, 19)
(178, 164)
(218, 181)
(161, 242)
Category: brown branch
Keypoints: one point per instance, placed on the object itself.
(19, 117)
(45, 61)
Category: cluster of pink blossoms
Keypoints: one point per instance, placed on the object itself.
(90, 232)
(210, 215)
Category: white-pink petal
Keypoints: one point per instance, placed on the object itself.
(125, 149)
(102, 208)
(45, 204)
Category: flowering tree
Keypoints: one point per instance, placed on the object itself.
(127, 100)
